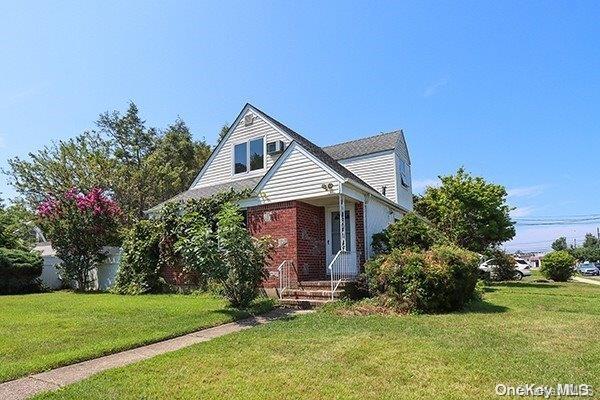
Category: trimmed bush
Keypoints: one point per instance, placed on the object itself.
(441, 279)
(138, 268)
(243, 258)
(19, 271)
(410, 232)
(558, 266)
(503, 265)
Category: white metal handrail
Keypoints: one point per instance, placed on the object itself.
(344, 266)
(285, 276)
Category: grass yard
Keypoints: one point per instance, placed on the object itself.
(522, 333)
(41, 331)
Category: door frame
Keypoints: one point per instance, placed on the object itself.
(328, 248)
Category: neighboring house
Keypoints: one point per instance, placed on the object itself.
(102, 278)
(299, 191)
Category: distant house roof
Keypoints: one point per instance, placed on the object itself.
(207, 191)
(364, 146)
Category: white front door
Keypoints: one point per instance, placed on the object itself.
(332, 234)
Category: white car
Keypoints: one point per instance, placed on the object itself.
(522, 268)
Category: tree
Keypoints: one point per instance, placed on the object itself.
(468, 210)
(83, 162)
(132, 143)
(139, 165)
(223, 131)
(590, 241)
(560, 244)
(175, 161)
(16, 225)
(80, 224)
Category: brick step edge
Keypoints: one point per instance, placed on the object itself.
(310, 294)
(304, 303)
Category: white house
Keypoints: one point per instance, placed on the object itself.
(299, 190)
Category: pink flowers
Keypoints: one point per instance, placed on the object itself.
(96, 201)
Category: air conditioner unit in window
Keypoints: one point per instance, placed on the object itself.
(275, 147)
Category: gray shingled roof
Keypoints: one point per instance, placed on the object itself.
(361, 147)
(207, 191)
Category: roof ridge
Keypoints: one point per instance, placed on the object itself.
(396, 131)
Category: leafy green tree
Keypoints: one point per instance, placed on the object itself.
(590, 241)
(139, 165)
(132, 143)
(175, 161)
(16, 227)
(83, 162)
(560, 244)
(558, 266)
(468, 210)
(223, 131)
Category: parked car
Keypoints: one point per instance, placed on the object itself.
(588, 268)
(522, 268)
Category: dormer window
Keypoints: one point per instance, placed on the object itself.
(249, 156)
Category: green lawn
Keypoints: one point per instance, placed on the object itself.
(522, 333)
(41, 331)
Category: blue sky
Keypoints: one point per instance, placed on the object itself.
(510, 90)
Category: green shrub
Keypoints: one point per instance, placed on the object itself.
(242, 258)
(138, 267)
(503, 265)
(558, 266)
(19, 271)
(410, 232)
(381, 242)
(441, 279)
(357, 289)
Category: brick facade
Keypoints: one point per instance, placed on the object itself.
(298, 230)
(278, 221)
(311, 241)
(360, 234)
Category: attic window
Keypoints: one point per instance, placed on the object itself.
(249, 156)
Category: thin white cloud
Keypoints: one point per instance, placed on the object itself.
(419, 185)
(521, 212)
(526, 191)
(434, 87)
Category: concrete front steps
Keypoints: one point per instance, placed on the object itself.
(310, 294)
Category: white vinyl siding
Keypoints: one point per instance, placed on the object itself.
(378, 216)
(220, 168)
(377, 170)
(297, 177)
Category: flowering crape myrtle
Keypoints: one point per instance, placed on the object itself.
(80, 225)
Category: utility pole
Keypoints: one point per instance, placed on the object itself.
(598, 232)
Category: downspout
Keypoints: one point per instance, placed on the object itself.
(366, 237)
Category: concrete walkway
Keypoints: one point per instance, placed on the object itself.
(28, 386)
(586, 280)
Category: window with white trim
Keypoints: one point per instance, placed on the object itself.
(249, 156)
